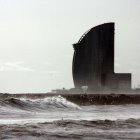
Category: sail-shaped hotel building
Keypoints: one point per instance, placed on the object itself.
(93, 60)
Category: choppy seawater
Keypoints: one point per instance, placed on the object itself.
(55, 118)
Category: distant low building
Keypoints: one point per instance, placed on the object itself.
(93, 60)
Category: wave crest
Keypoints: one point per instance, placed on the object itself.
(52, 102)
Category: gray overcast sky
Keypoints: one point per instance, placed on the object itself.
(36, 38)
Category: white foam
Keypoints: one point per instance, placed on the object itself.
(53, 100)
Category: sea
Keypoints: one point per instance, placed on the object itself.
(56, 118)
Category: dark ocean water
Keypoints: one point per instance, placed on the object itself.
(55, 118)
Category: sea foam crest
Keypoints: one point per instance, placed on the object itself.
(52, 102)
(56, 101)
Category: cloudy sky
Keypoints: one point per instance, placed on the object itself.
(36, 38)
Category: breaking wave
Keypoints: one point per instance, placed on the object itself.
(53, 102)
(56, 118)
